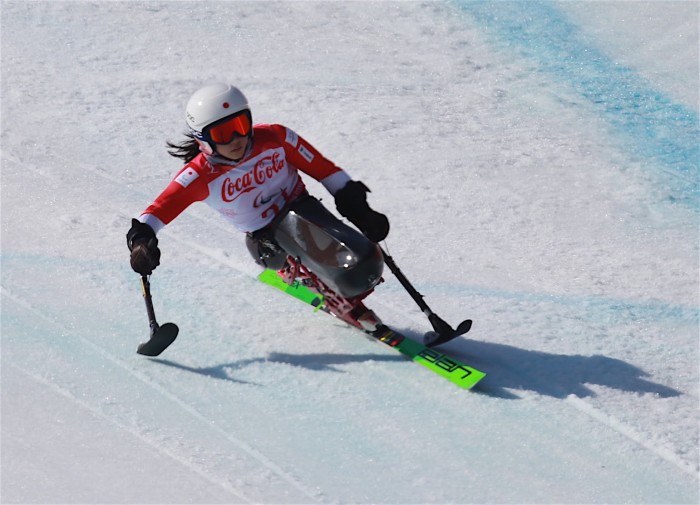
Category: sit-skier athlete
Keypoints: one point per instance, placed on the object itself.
(250, 174)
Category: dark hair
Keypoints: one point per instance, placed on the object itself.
(186, 150)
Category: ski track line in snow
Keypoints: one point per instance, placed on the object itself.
(255, 454)
(607, 305)
(629, 432)
(146, 440)
(620, 427)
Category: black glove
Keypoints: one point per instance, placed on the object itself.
(351, 202)
(143, 244)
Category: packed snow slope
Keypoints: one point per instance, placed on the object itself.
(539, 165)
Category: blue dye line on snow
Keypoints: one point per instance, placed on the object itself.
(600, 308)
(655, 127)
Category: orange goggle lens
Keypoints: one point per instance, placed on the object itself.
(224, 133)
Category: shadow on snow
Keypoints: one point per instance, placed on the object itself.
(555, 375)
(318, 362)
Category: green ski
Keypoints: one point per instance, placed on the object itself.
(451, 369)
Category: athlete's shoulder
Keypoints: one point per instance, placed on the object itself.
(276, 133)
(198, 163)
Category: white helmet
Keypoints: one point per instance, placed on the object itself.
(213, 105)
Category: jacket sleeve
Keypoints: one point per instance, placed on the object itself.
(186, 188)
(305, 157)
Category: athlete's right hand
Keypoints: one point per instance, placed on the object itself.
(143, 244)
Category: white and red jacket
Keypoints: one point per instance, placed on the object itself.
(249, 193)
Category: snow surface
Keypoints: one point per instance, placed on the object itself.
(539, 164)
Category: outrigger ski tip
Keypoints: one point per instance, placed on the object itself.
(443, 332)
(161, 338)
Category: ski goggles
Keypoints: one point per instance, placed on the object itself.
(228, 128)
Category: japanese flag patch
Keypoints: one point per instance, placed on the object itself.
(186, 177)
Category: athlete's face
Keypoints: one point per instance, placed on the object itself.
(234, 150)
